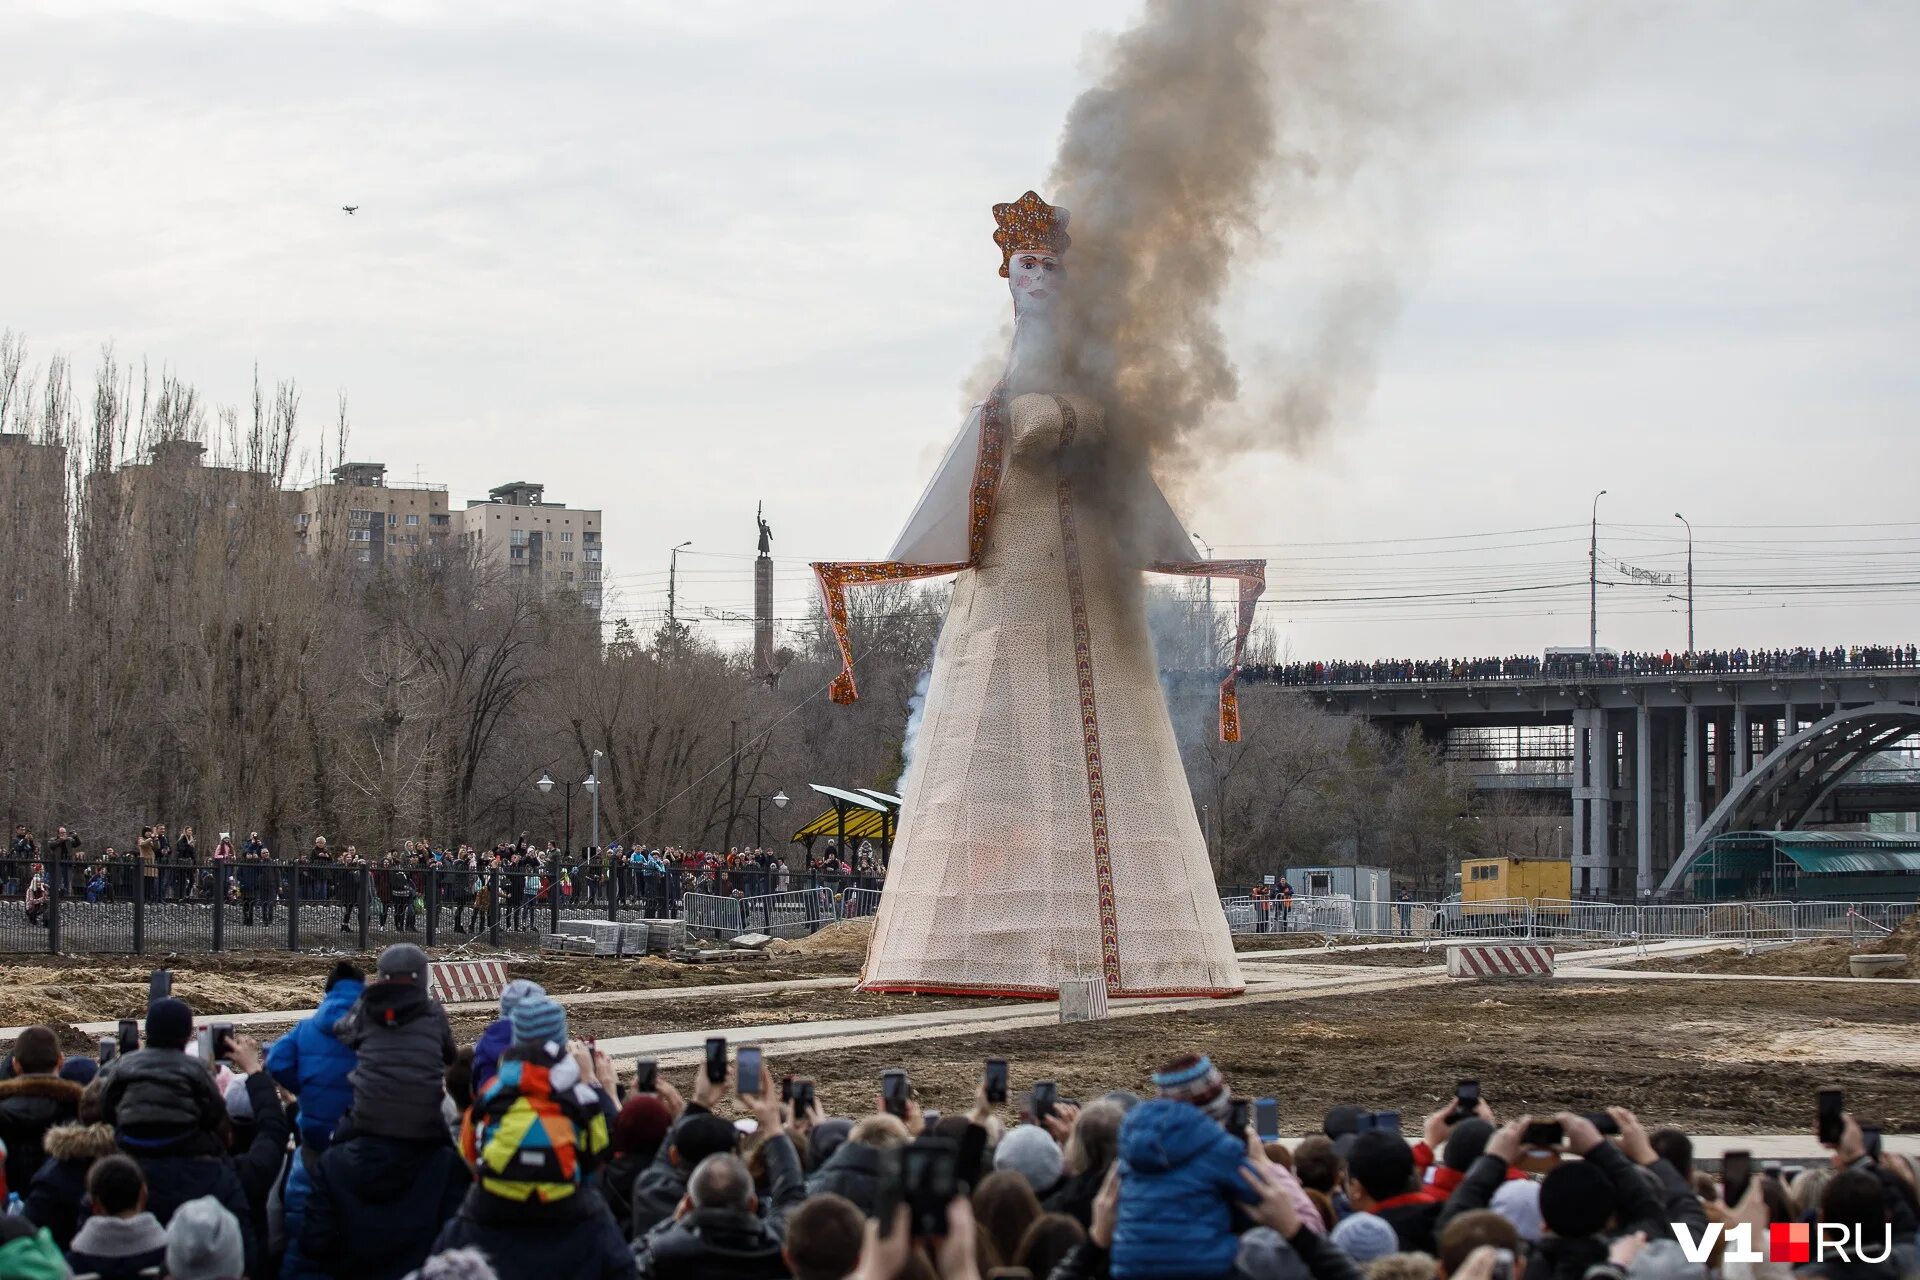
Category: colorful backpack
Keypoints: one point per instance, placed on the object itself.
(532, 1137)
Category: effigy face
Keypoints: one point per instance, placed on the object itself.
(1036, 279)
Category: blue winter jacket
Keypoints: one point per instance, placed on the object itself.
(1179, 1180)
(313, 1066)
(494, 1041)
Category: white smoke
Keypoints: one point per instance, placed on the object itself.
(916, 708)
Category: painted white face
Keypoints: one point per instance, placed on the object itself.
(1035, 278)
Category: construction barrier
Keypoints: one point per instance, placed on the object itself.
(1499, 960)
(467, 981)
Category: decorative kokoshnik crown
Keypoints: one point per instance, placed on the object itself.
(1029, 225)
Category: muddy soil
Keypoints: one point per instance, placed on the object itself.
(1826, 958)
(1709, 1057)
(1385, 958)
(719, 1012)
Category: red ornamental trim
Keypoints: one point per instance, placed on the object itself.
(1252, 575)
(1089, 718)
(1016, 992)
(836, 578)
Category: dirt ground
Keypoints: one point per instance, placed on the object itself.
(1713, 1057)
(1825, 958)
(718, 1012)
(59, 992)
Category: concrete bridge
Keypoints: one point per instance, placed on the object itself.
(1655, 765)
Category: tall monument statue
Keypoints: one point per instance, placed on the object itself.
(763, 598)
(1048, 832)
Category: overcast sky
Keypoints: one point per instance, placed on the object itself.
(671, 259)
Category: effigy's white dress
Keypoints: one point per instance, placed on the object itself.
(1048, 830)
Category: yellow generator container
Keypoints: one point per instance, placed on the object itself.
(1491, 880)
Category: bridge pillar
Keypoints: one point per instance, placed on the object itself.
(1742, 742)
(1643, 800)
(1600, 797)
(1690, 767)
(1582, 864)
(1793, 720)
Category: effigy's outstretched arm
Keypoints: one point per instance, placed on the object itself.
(1252, 576)
(834, 581)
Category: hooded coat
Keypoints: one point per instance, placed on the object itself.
(377, 1203)
(29, 1106)
(403, 1044)
(60, 1188)
(313, 1065)
(154, 1098)
(575, 1237)
(115, 1247)
(1179, 1180)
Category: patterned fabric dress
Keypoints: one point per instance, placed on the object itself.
(1049, 831)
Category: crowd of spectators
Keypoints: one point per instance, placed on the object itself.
(463, 880)
(1576, 664)
(367, 1145)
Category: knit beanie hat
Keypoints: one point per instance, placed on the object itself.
(1343, 1117)
(1366, 1236)
(1518, 1201)
(203, 1242)
(516, 991)
(641, 1125)
(1031, 1152)
(538, 1020)
(169, 1024)
(1576, 1199)
(1194, 1079)
(403, 960)
(239, 1104)
(79, 1070)
(457, 1264)
(827, 1137)
(703, 1134)
(1466, 1143)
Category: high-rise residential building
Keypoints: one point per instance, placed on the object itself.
(377, 522)
(548, 545)
(33, 518)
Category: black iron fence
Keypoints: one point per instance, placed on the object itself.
(52, 906)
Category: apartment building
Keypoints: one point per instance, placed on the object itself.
(546, 544)
(379, 523)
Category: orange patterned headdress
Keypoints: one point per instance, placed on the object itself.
(1029, 225)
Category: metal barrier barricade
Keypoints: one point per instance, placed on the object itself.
(860, 903)
(711, 916)
(1662, 921)
(1587, 921)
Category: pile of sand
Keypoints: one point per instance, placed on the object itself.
(841, 938)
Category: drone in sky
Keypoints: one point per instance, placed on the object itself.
(349, 209)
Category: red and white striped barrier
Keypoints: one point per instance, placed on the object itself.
(1500, 960)
(1083, 999)
(467, 981)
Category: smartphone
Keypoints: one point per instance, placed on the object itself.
(159, 985)
(973, 1154)
(802, 1096)
(929, 1173)
(889, 1192)
(717, 1058)
(1040, 1101)
(1239, 1116)
(1603, 1122)
(129, 1035)
(107, 1046)
(894, 1092)
(1736, 1171)
(1832, 1106)
(786, 1089)
(1871, 1139)
(748, 1062)
(1543, 1133)
(1266, 1119)
(1466, 1100)
(205, 1040)
(1363, 1123)
(1503, 1264)
(645, 1073)
(996, 1080)
(1388, 1120)
(222, 1041)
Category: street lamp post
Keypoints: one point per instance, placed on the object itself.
(673, 580)
(546, 784)
(1683, 520)
(1593, 581)
(779, 799)
(592, 784)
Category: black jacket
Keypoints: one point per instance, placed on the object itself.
(575, 1238)
(726, 1244)
(29, 1106)
(1075, 1196)
(258, 1166)
(377, 1204)
(153, 1096)
(1415, 1223)
(174, 1180)
(59, 1190)
(853, 1171)
(658, 1190)
(403, 1045)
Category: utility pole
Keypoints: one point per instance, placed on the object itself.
(673, 581)
(1593, 582)
(1683, 520)
(593, 785)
